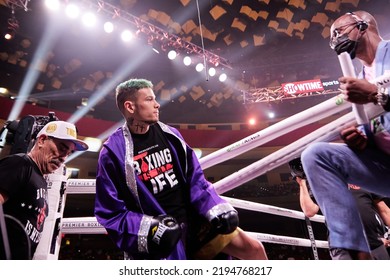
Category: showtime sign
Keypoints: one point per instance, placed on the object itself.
(302, 87)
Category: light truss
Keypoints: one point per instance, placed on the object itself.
(271, 94)
(167, 40)
(20, 4)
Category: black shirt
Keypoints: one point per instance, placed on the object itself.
(156, 166)
(373, 223)
(26, 208)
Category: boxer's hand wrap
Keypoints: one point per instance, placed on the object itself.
(164, 233)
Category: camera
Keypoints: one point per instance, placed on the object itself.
(296, 169)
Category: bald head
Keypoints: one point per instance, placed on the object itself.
(356, 33)
(360, 19)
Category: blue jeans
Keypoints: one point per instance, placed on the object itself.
(329, 168)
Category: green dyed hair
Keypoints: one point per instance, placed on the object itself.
(127, 90)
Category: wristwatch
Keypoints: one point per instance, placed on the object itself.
(383, 98)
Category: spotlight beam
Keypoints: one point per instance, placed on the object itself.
(47, 42)
(127, 67)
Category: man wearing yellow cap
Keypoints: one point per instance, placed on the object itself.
(23, 188)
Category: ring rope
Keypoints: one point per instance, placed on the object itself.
(326, 133)
(89, 225)
(327, 108)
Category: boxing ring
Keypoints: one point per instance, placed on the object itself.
(60, 187)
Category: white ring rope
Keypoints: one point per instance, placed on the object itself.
(269, 209)
(89, 225)
(327, 108)
(326, 133)
(88, 186)
(279, 239)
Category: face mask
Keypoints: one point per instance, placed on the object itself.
(344, 44)
(341, 43)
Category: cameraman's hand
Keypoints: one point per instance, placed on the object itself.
(386, 242)
(298, 180)
(358, 91)
(354, 138)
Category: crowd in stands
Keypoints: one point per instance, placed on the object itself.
(264, 190)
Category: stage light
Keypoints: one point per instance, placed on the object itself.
(252, 121)
(108, 27)
(89, 19)
(94, 144)
(271, 115)
(199, 67)
(212, 71)
(84, 101)
(187, 60)
(12, 26)
(53, 5)
(222, 77)
(126, 35)
(9, 35)
(172, 54)
(3, 90)
(169, 40)
(72, 11)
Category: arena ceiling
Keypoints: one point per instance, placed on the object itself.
(260, 44)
